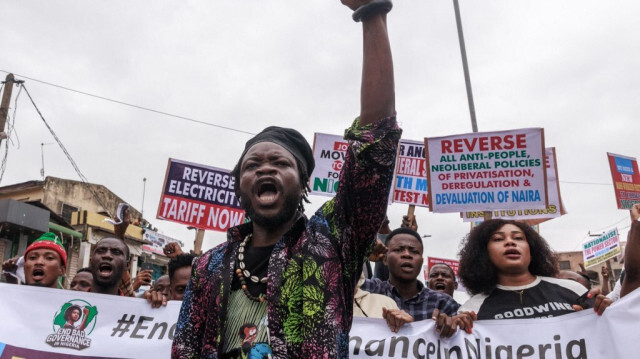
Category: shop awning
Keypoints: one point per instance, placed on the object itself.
(134, 250)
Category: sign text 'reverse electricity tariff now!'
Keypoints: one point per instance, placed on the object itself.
(199, 196)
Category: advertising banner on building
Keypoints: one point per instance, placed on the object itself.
(199, 196)
(596, 251)
(329, 152)
(532, 216)
(485, 171)
(410, 175)
(626, 180)
(44, 323)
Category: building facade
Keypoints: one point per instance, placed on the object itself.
(80, 210)
(572, 261)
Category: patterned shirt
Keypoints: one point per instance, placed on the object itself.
(313, 268)
(421, 305)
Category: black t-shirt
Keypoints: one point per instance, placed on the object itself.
(544, 297)
(256, 261)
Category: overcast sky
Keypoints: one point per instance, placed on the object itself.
(569, 66)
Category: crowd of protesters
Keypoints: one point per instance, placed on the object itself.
(284, 285)
(505, 265)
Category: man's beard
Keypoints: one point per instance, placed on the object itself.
(115, 279)
(285, 214)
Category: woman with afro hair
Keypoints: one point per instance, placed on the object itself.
(508, 268)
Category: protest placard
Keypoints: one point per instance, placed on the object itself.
(199, 196)
(454, 264)
(484, 171)
(329, 152)
(626, 180)
(596, 251)
(532, 216)
(35, 325)
(158, 241)
(410, 175)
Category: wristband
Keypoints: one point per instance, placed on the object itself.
(370, 8)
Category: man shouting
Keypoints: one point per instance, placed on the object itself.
(283, 285)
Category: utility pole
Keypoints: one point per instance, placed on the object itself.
(42, 156)
(144, 189)
(4, 105)
(467, 80)
(465, 67)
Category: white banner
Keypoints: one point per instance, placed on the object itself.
(41, 323)
(487, 171)
(579, 335)
(532, 216)
(329, 152)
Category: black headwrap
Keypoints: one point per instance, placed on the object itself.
(288, 138)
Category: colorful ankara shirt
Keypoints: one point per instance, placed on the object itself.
(313, 268)
(420, 306)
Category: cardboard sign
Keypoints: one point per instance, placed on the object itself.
(532, 216)
(199, 196)
(626, 180)
(596, 251)
(329, 152)
(158, 241)
(410, 175)
(487, 171)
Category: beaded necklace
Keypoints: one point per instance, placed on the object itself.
(242, 272)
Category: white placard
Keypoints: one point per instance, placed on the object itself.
(487, 171)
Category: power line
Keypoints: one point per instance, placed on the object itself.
(588, 183)
(11, 129)
(611, 225)
(603, 228)
(64, 149)
(134, 106)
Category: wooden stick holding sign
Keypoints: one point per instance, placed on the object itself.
(411, 218)
(410, 213)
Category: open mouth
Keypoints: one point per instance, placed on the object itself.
(512, 253)
(267, 192)
(37, 274)
(406, 267)
(105, 269)
(440, 286)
